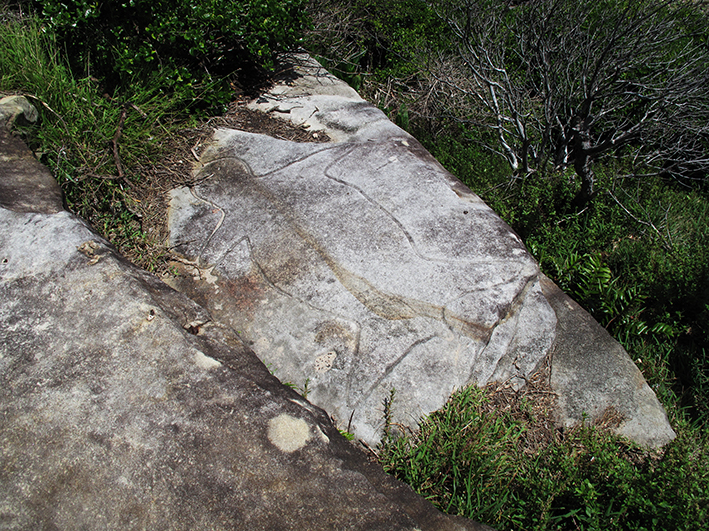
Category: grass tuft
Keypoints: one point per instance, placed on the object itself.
(493, 455)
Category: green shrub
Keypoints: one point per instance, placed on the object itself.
(374, 37)
(185, 44)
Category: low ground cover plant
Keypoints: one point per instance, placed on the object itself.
(494, 455)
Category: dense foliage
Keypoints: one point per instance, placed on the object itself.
(181, 44)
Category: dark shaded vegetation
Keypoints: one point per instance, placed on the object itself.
(564, 84)
(196, 48)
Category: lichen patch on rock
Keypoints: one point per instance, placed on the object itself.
(288, 433)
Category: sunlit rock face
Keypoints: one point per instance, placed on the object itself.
(361, 266)
(358, 267)
(125, 405)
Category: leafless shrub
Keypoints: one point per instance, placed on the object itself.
(568, 82)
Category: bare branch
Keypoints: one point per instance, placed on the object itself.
(569, 82)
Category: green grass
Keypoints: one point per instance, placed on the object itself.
(498, 462)
(78, 132)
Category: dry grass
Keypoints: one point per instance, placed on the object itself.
(175, 168)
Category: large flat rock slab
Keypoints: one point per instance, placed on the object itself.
(124, 405)
(360, 266)
(357, 268)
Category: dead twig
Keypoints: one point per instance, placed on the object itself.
(665, 242)
(116, 138)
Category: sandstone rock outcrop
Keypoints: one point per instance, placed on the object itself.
(124, 405)
(347, 269)
(361, 265)
(24, 185)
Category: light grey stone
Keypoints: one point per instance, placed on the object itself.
(364, 258)
(311, 97)
(362, 265)
(591, 372)
(25, 185)
(12, 107)
(124, 405)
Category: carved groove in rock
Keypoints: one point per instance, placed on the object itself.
(372, 231)
(124, 405)
(371, 234)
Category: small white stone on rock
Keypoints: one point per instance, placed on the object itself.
(205, 362)
(323, 437)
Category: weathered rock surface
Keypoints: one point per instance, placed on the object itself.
(123, 405)
(361, 265)
(24, 184)
(358, 284)
(591, 372)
